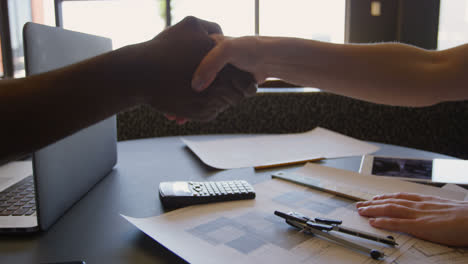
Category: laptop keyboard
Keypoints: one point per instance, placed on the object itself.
(18, 199)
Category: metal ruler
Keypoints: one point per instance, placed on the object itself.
(349, 192)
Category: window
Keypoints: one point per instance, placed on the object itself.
(453, 23)
(129, 21)
(319, 20)
(20, 12)
(132, 21)
(124, 21)
(119, 20)
(1, 61)
(236, 18)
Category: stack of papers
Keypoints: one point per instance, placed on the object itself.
(248, 232)
(256, 151)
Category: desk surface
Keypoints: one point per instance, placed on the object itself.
(93, 231)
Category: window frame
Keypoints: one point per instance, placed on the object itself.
(5, 38)
(59, 13)
(406, 30)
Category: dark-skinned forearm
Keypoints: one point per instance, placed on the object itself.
(42, 109)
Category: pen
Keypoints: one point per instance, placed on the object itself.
(385, 240)
(335, 225)
(260, 167)
(322, 227)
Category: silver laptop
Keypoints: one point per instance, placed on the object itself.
(64, 171)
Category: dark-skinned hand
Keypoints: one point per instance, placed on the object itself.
(166, 65)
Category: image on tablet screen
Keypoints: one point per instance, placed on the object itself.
(408, 168)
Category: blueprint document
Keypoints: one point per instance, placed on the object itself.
(248, 231)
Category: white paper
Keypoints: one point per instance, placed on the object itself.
(256, 151)
(248, 231)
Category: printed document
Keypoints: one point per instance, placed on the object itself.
(248, 231)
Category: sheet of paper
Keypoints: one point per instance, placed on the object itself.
(248, 231)
(13, 172)
(356, 184)
(274, 149)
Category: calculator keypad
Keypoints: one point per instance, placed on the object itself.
(221, 188)
(203, 192)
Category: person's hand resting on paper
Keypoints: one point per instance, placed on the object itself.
(426, 217)
(158, 72)
(426, 77)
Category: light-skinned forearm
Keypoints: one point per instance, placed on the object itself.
(390, 73)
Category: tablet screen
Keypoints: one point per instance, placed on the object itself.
(437, 170)
(407, 168)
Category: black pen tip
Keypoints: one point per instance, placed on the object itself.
(281, 214)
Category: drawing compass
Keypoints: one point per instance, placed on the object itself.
(323, 227)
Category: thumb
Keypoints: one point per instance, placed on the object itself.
(209, 67)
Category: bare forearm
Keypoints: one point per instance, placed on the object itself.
(394, 74)
(39, 110)
(42, 109)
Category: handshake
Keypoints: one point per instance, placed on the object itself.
(162, 70)
(158, 72)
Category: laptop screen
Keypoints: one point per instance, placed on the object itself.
(67, 169)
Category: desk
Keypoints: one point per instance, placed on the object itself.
(93, 231)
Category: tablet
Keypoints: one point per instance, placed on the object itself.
(420, 170)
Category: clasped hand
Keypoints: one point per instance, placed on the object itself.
(167, 63)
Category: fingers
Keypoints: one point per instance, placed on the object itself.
(211, 27)
(406, 203)
(406, 196)
(427, 217)
(209, 67)
(218, 38)
(431, 228)
(179, 120)
(386, 201)
(242, 84)
(409, 226)
(207, 26)
(170, 117)
(389, 210)
(412, 197)
(251, 88)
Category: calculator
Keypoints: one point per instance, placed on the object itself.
(183, 193)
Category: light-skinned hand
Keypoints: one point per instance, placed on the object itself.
(178, 50)
(427, 217)
(241, 52)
